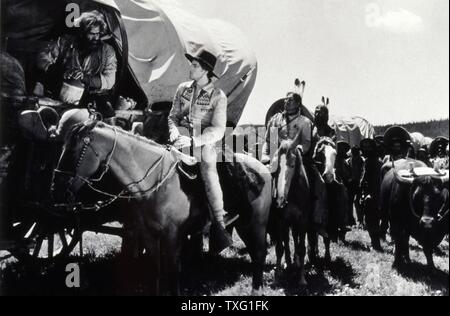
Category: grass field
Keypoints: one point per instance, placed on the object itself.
(355, 270)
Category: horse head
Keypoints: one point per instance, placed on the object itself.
(289, 165)
(325, 156)
(84, 152)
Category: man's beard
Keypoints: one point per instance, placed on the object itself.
(92, 45)
(89, 46)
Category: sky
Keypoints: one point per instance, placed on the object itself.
(384, 60)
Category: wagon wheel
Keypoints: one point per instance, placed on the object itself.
(44, 241)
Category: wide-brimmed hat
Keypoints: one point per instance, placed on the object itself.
(396, 134)
(205, 58)
(438, 144)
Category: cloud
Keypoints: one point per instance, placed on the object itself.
(399, 21)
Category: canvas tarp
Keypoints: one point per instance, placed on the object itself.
(352, 130)
(159, 37)
(417, 140)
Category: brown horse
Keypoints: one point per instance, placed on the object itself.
(160, 204)
(293, 207)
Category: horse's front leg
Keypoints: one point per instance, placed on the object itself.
(313, 251)
(300, 253)
(256, 243)
(287, 248)
(430, 261)
(279, 250)
(171, 248)
(254, 237)
(130, 242)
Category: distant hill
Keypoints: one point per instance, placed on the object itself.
(431, 129)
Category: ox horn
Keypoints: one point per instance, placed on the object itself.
(443, 176)
(444, 179)
(400, 178)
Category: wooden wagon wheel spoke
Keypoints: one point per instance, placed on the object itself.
(50, 245)
(62, 237)
(20, 228)
(45, 242)
(31, 233)
(70, 232)
(38, 247)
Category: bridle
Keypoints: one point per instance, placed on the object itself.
(276, 178)
(87, 144)
(319, 151)
(125, 194)
(440, 217)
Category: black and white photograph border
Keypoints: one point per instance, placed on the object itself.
(215, 150)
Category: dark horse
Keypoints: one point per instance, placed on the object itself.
(293, 207)
(333, 192)
(161, 205)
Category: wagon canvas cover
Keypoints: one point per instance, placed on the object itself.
(352, 130)
(159, 36)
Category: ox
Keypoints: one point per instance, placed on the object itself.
(416, 199)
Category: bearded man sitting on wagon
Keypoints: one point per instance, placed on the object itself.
(87, 67)
(88, 64)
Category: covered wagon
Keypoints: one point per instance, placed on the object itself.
(150, 42)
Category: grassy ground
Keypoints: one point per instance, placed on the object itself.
(355, 270)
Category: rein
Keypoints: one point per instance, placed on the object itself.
(125, 194)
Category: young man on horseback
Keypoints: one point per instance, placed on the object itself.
(198, 119)
(292, 125)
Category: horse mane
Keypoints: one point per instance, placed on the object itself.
(285, 145)
(323, 141)
(136, 137)
(82, 129)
